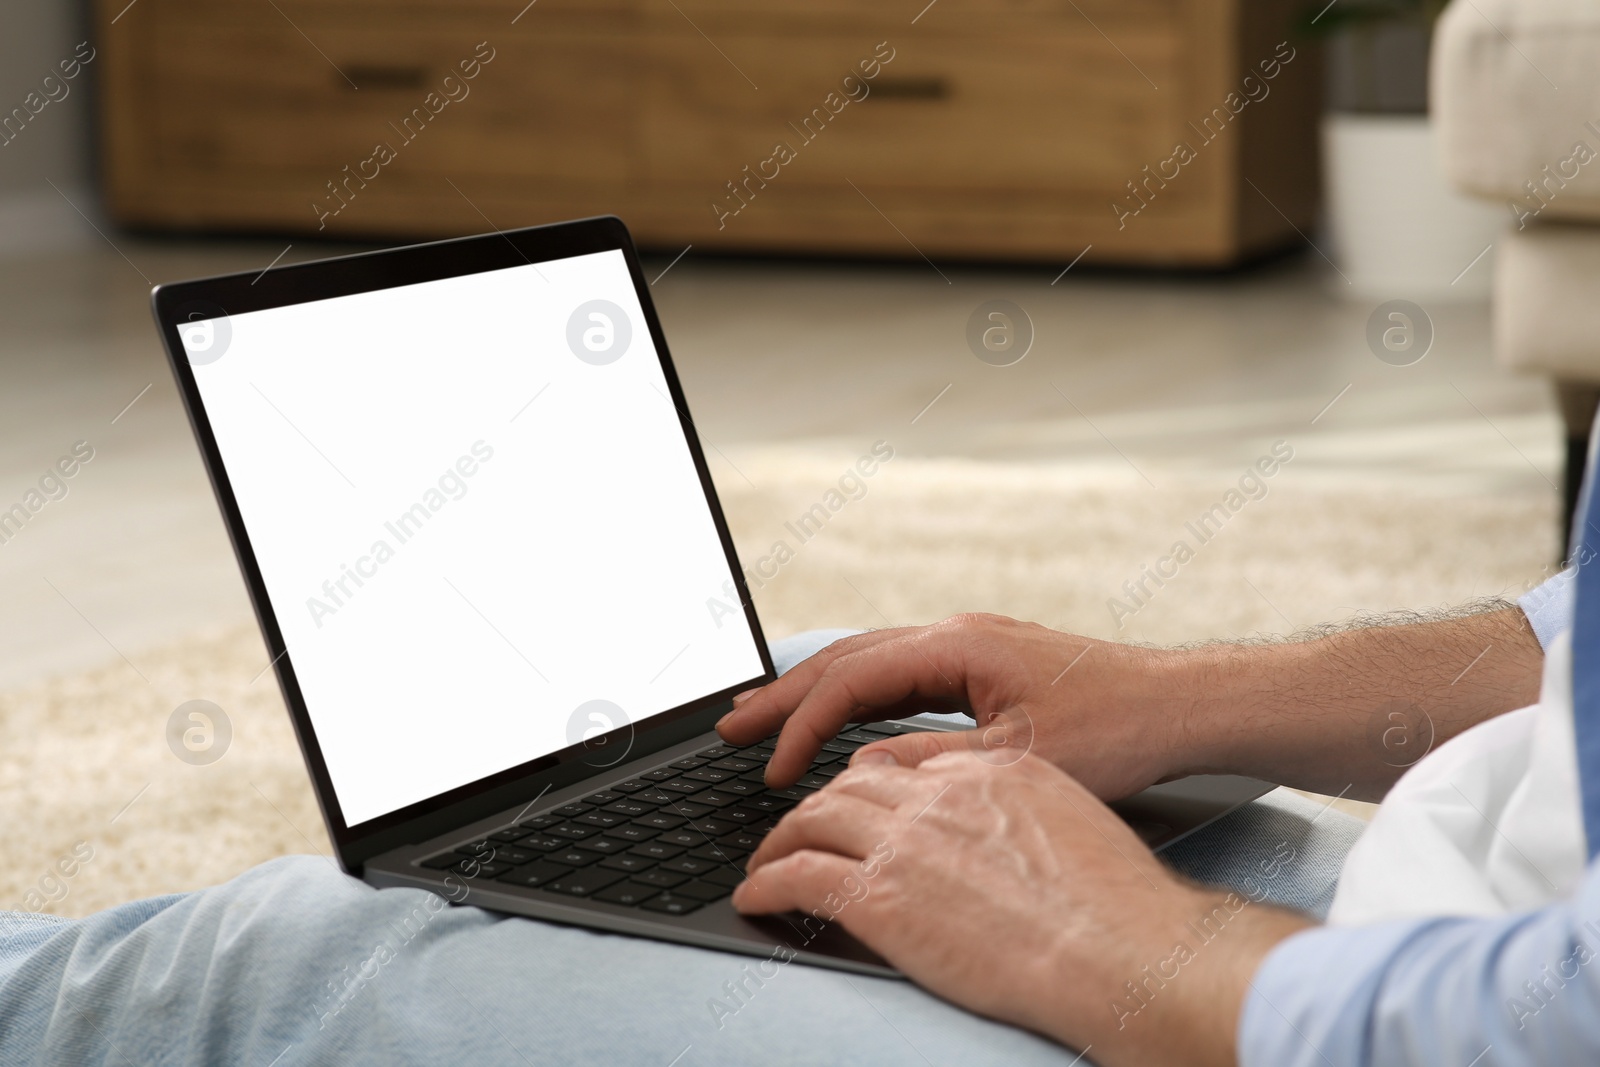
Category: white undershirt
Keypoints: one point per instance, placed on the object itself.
(1488, 823)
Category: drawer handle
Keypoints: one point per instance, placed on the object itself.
(380, 76)
(912, 88)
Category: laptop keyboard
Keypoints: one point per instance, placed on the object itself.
(670, 840)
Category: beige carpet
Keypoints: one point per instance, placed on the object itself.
(85, 759)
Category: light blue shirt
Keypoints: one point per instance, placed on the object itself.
(1519, 989)
(1551, 607)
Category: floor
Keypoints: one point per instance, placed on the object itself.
(1169, 378)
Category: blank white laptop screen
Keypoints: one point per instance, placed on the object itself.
(474, 512)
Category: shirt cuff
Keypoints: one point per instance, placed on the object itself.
(1550, 606)
(1310, 999)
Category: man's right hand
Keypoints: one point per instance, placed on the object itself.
(1105, 713)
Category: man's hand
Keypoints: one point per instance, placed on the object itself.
(1015, 893)
(1344, 714)
(1103, 712)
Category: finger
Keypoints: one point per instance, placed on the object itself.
(798, 882)
(888, 786)
(759, 715)
(828, 821)
(909, 750)
(927, 662)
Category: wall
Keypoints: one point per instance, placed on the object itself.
(35, 35)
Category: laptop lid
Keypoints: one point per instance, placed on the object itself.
(473, 515)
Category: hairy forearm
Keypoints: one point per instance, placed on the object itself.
(1348, 712)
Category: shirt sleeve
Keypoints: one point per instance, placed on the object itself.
(1508, 991)
(1550, 606)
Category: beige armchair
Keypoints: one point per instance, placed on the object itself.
(1515, 95)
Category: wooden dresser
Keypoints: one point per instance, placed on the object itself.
(1007, 129)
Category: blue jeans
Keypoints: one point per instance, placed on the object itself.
(293, 963)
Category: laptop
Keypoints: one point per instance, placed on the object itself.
(497, 587)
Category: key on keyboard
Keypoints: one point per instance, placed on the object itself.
(670, 840)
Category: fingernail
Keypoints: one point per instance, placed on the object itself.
(874, 757)
(739, 894)
(746, 695)
(724, 719)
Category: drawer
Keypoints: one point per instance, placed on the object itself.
(999, 128)
(997, 112)
(551, 104)
(930, 17)
(482, 18)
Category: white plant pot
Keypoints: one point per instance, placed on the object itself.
(1397, 229)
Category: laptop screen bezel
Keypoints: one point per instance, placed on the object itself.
(348, 275)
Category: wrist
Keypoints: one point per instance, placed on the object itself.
(1188, 976)
(1208, 700)
(1161, 719)
(1202, 1022)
